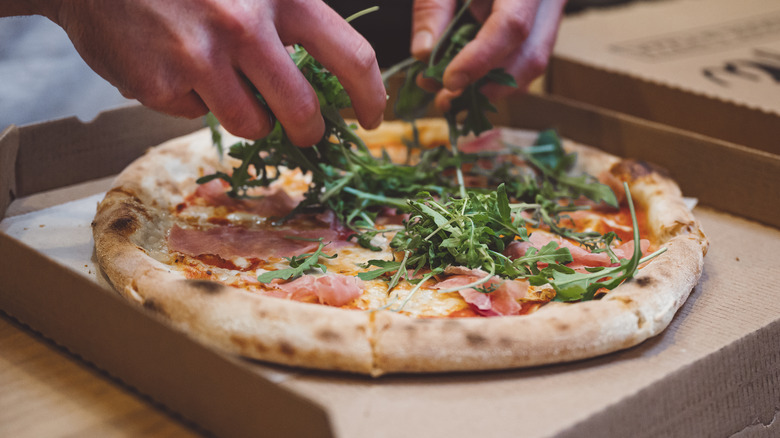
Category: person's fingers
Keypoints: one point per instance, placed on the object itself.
(443, 99)
(190, 106)
(428, 84)
(268, 66)
(344, 52)
(232, 102)
(481, 9)
(429, 20)
(164, 94)
(504, 31)
(181, 59)
(531, 59)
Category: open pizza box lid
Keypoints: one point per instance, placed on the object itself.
(714, 371)
(712, 67)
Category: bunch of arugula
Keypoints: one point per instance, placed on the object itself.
(474, 231)
(469, 229)
(346, 177)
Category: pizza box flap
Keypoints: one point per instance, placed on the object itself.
(713, 371)
(88, 319)
(709, 67)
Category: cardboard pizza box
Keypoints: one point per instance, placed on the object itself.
(715, 371)
(709, 66)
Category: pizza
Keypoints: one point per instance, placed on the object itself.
(271, 275)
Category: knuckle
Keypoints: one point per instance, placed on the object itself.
(160, 92)
(365, 57)
(536, 64)
(516, 27)
(244, 128)
(305, 111)
(242, 123)
(193, 112)
(232, 28)
(228, 22)
(156, 97)
(303, 123)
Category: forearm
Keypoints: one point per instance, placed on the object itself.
(47, 8)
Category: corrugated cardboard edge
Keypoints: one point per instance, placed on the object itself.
(674, 86)
(68, 151)
(743, 397)
(735, 174)
(664, 103)
(97, 326)
(9, 145)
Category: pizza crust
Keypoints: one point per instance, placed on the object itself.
(381, 341)
(229, 318)
(558, 332)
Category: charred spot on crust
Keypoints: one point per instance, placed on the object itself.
(205, 286)
(239, 341)
(328, 335)
(475, 339)
(130, 202)
(286, 349)
(505, 342)
(152, 305)
(140, 209)
(562, 326)
(631, 170)
(644, 281)
(261, 348)
(124, 225)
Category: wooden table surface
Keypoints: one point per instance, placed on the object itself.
(47, 392)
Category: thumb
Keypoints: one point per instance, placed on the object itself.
(429, 20)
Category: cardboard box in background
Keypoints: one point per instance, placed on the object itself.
(708, 66)
(714, 372)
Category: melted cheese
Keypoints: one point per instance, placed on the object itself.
(242, 272)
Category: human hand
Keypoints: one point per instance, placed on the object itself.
(186, 57)
(516, 35)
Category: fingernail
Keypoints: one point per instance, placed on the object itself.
(456, 81)
(422, 44)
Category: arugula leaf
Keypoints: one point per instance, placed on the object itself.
(299, 265)
(385, 267)
(413, 101)
(216, 135)
(570, 285)
(547, 150)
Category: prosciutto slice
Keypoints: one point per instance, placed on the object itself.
(331, 289)
(581, 257)
(487, 141)
(229, 241)
(503, 300)
(273, 203)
